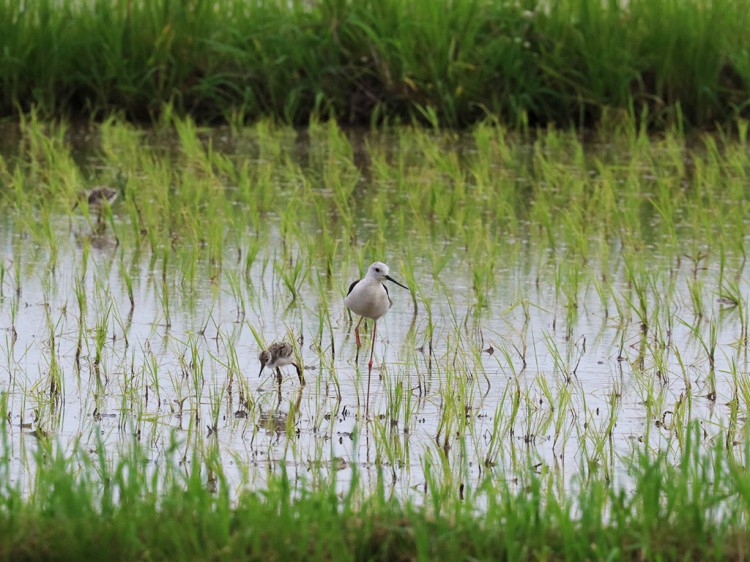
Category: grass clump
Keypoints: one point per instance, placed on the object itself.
(571, 62)
(125, 507)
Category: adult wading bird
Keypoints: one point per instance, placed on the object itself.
(368, 297)
(279, 354)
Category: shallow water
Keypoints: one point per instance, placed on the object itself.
(573, 379)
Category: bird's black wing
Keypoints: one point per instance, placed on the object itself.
(352, 286)
(390, 302)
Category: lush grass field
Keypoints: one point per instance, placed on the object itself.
(452, 62)
(85, 507)
(590, 222)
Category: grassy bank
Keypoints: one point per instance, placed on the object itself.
(87, 505)
(569, 62)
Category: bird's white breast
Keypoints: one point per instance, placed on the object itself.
(369, 299)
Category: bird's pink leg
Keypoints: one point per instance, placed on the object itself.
(356, 332)
(369, 369)
(372, 350)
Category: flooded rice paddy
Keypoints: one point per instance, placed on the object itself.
(570, 304)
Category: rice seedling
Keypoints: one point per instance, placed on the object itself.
(100, 338)
(293, 275)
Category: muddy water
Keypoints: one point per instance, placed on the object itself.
(536, 380)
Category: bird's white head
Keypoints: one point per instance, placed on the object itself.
(378, 270)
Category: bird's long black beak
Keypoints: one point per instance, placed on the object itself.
(392, 280)
(261, 370)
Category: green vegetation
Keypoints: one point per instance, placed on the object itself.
(85, 505)
(326, 202)
(573, 384)
(453, 63)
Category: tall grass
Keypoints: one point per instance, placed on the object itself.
(571, 62)
(91, 504)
